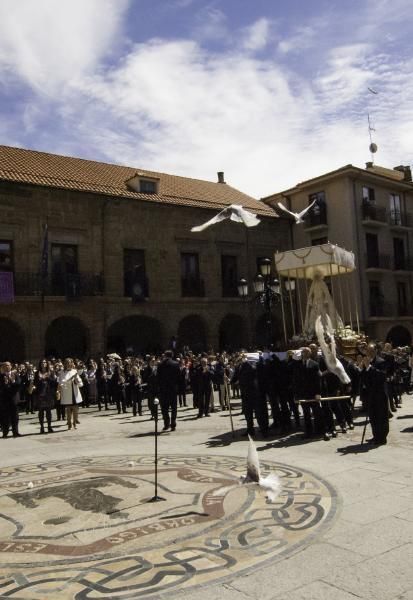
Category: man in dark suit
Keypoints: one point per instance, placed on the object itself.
(10, 383)
(308, 387)
(374, 377)
(168, 381)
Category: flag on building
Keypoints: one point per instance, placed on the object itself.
(44, 264)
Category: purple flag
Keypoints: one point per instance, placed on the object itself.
(6, 287)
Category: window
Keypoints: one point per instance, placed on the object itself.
(369, 196)
(134, 275)
(6, 255)
(399, 255)
(372, 245)
(229, 274)
(401, 298)
(395, 209)
(318, 213)
(376, 299)
(64, 269)
(191, 284)
(146, 186)
(319, 241)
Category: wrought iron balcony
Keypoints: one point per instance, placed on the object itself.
(192, 287)
(400, 219)
(316, 217)
(380, 308)
(378, 261)
(404, 310)
(402, 263)
(371, 212)
(73, 286)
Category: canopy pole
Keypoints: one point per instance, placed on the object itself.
(300, 306)
(283, 313)
(340, 289)
(357, 307)
(291, 302)
(334, 296)
(349, 300)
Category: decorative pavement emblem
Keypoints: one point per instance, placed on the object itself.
(86, 530)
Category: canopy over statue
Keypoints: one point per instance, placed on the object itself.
(314, 264)
(327, 259)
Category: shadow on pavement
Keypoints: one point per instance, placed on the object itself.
(356, 449)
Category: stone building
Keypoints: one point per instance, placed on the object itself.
(122, 270)
(370, 212)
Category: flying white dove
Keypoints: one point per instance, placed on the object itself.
(271, 484)
(235, 212)
(297, 216)
(329, 349)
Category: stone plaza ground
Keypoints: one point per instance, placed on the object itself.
(341, 528)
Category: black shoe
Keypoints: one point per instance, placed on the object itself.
(17, 435)
(334, 433)
(371, 441)
(4, 435)
(165, 428)
(50, 429)
(327, 437)
(173, 428)
(351, 426)
(42, 430)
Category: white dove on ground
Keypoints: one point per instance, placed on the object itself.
(271, 484)
(235, 212)
(329, 349)
(297, 216)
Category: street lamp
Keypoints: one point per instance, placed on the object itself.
(267, 291)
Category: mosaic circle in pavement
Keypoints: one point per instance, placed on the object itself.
(87, 530)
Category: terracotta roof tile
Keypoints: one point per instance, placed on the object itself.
(51, 170)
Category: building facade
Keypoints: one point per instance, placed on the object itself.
(119, 269)
(370, 212)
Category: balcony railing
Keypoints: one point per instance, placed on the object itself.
(316, 218)
(371, 212)
(378, 261)
(137, 290)
(193, 288)
(400, 219)
(402, 264)
(381, 309)
(73, 286)
(404, 310)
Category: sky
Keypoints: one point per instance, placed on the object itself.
(272, 92)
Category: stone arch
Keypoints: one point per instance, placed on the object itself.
(263, 327)
(192, 332)
(12, 342)
(67, 336)
(232, 332)
(399, 336)
(136, 334)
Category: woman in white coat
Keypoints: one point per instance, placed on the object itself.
(69, 388)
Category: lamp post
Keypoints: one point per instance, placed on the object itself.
(267, 291)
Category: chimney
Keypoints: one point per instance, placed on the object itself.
(406, 170)
(220, 177)
(369, 165)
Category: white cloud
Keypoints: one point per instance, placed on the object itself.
(256, 36)
(48, 43)
(177, 107)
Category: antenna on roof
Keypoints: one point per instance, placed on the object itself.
(373, 147)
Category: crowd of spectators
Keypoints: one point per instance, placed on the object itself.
(268, 386)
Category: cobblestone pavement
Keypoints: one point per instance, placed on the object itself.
(76, 520)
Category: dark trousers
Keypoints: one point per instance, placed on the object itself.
(204, 398)
(169, 404)
(379, 417)
(120, 401)
(9, 418)
(313, 409)
(136, 400)
(45, 412)
(60, 411)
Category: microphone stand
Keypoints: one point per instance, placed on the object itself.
(156, 498)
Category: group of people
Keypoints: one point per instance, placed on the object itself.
(278, 391)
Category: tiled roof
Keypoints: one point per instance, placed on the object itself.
(51, 170)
